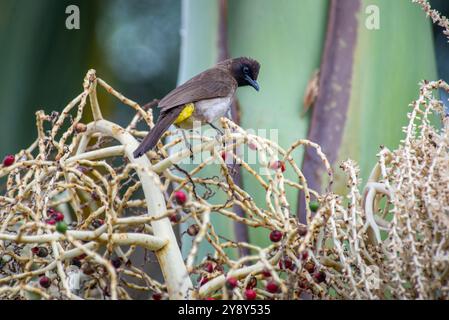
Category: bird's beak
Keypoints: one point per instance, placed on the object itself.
(252, 83)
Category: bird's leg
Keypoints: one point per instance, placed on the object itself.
(217, 129)
(188, 144)
(219, 132)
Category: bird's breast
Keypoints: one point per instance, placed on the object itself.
(212, 109)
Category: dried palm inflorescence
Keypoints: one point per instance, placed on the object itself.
(77, 205)
(392, 242)
(436, 17)
(77, 173)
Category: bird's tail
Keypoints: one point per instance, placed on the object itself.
(162, 124)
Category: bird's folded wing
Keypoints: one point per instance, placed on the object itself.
(212, 83)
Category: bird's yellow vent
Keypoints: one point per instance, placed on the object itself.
(185, 113)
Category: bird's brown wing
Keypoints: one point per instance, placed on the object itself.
(212, 83)
(163, 122)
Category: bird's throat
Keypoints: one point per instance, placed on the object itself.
(185, 113)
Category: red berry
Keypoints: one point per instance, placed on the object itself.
(209, 267)
(319, 276)
(51, 211)
(8, 160)
(58, 216)
(231, 283)
(250, 294)
(174, 218)
(272, 287)
(97, 223)
(302, 283)
(304, 255)
(223, 155)
(309, 266)
(157, 296)
(266, 273)
(282, 166)
(45, 282)
(193, 230)
(210, 298)
(42, 252)
(278, 165)
(35, 250)
(289, 264)
(302, 230)
(252, 145)
(117, 262)
(180, 197)
(203, 281)
(276, 236)
(51, 221)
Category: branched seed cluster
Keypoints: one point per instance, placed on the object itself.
(77, 206)
(436, 17)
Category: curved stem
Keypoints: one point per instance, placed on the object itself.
(170, 259)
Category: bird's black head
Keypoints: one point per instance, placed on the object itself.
(245, 71)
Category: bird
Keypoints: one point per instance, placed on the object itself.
(205, 98)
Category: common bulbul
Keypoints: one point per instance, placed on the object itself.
(204, 98)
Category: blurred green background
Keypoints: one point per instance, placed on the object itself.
(133, 45)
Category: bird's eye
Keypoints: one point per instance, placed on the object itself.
(245, 70)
